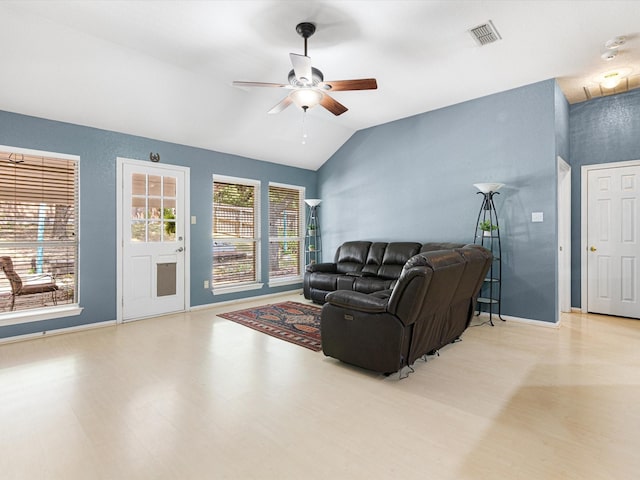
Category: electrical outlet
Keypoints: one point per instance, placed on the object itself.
(206, 284)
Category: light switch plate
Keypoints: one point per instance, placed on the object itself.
(193, 219)
(537, 216)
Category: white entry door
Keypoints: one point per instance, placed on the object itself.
(613, 241)
(154, 210)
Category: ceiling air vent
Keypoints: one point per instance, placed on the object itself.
(485, 33)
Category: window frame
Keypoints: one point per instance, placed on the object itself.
(54, 311)
(240, 286)
(292, 279)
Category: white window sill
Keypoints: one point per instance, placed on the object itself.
(281, 282)
(27, 316)
(237, 288)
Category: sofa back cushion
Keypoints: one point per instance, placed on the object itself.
(351, 256)
(374, 257)
(395, 256)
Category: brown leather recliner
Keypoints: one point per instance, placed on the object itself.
(430, 306)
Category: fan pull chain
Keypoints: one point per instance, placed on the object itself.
(304, 127)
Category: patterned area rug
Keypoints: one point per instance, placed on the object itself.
(291, 321)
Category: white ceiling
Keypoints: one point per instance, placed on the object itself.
(163, 69)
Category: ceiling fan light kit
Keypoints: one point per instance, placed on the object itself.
(612, 78)
(307, 82)
(306, 98)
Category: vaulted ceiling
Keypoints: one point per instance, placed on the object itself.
(163, 69)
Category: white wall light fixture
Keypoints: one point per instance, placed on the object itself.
(611, 79)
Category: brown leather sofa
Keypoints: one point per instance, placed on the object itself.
(429, 306)
(362, 266)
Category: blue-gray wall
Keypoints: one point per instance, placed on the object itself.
(412, 179)
(98, 150)
(407, 180)
(603, 130)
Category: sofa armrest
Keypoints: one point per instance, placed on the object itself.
(357, 301)
(322, 267)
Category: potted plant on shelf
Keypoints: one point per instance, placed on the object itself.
(487, 227)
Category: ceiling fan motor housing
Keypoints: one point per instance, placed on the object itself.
(316, 78)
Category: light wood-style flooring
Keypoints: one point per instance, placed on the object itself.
(194, 396)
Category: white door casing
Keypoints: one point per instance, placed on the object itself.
(153, 233)
(564, 236)
(612, 250)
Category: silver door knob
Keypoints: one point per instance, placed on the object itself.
(181, 249)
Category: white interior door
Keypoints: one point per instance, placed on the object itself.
(613, 247)
(153, 214)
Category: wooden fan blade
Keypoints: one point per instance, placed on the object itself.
(332, 105)
(237, 83)
(357, 84)
(286, 101)
(301, 67)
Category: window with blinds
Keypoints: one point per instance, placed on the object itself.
(38, 230)
(236, 232)
(285, 232)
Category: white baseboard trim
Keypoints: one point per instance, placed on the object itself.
(528, 321)
(58, 331)
(576, 310)
(227, 303)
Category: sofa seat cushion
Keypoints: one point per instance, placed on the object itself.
(325, 281)
(345, 282)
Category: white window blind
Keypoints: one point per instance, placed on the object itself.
(285, 232)
(38, 230)
(235, 232)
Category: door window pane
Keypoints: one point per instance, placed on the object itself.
(155, 185)
(153, 200)
(139, 184)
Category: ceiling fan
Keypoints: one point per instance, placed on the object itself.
(307, 84)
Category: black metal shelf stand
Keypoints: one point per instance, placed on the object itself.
(490, 297)
(313, 239)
